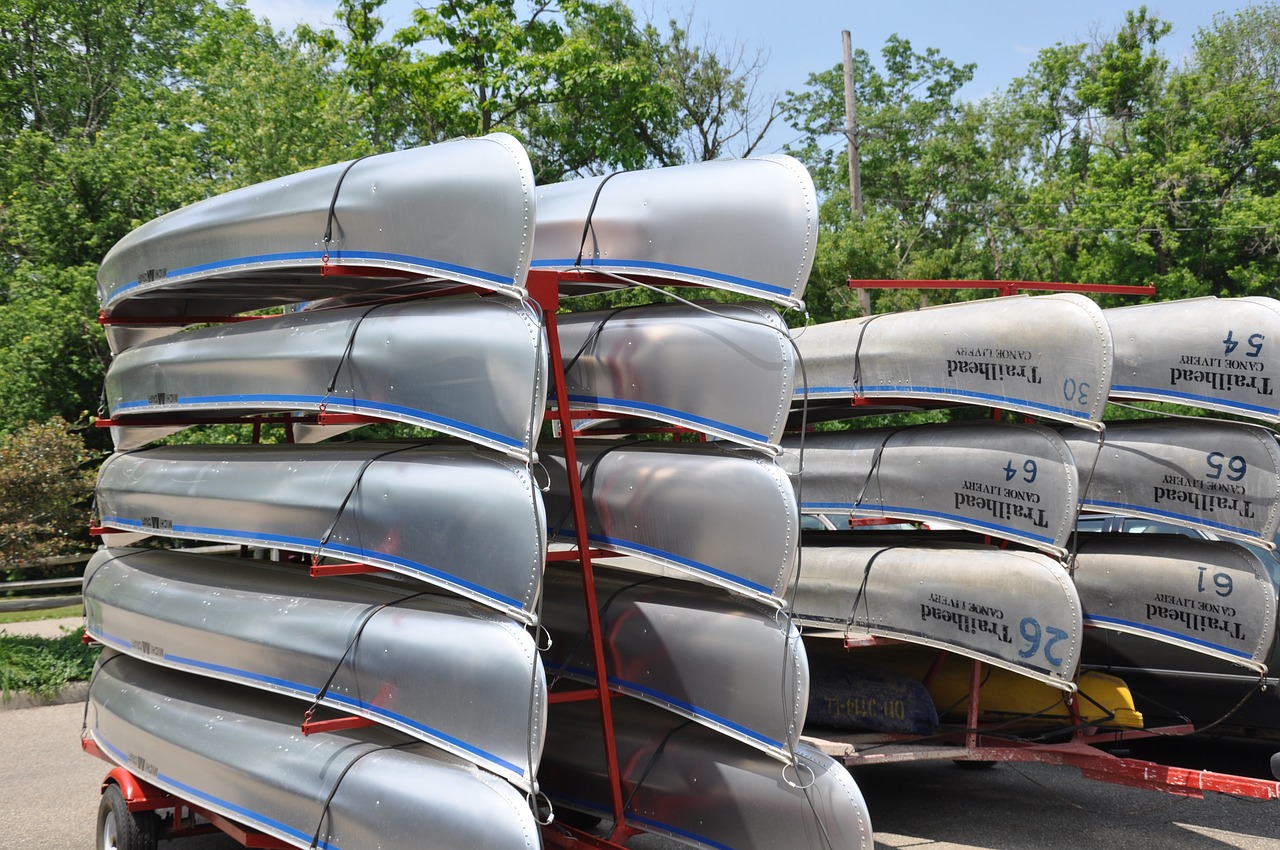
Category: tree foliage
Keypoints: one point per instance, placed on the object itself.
(1101, 164)
(1104, 162)
(46, 486)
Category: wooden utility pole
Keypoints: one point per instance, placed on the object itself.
(851, 135)
(851, 128)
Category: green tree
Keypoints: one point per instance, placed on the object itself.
(577, 83)
(178, 115)
(722, 111)
(46, 482)
(1225, 170)
(51, 349)
(923, 168)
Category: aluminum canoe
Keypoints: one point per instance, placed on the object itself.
(743, 225)
(455, 212)
(1214, 353)
(1017, 482)
(732, 665)
(1211, 597)
(1220, 477)
(726, 370)
(719, 516)
(459, 518)
(239, 752)
(470, 368)
(1015, 610)
(684, 781)
(382, 649)
(1047, 356)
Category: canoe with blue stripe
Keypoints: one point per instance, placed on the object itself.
(1211, 597)
(748, 226)
(239, 753)
(726, 370)
(1047, 356)
(661, 638)
(1222, 478)
(684, 781)
(1213, 353)
(459, 518)
(470, 368)
(377, 650)
(1015, 610)
(721, 516)
(457, 212)
(1013, 481)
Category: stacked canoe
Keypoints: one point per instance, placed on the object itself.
(1008, 582)
(404, 282)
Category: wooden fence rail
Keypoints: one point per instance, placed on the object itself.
(39, 601)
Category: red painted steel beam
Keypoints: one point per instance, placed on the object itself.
(1103, 767)
(337, 724)
(544, 288)
(323, 570)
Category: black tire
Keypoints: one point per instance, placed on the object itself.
(121, 829)
(973, 764)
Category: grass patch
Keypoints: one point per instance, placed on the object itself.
(46, 614)
(43, 665)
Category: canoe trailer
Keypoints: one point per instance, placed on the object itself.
(1083, 750)
(128, 811)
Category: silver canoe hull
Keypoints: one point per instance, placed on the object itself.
(726, 518)
(1016, 610)
(744, 225)
(727, 370)
(240, 753)
(1016, 482)
(1222, 477)
(462, 519)
(1215, 353)
(699, 788)
(382, 649)
(1047, 356)
(1210, 597)
(457, 211)
(662, 638)
(470, 368)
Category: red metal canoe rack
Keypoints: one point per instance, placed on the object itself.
(544, 291)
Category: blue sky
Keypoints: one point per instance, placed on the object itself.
(1001, 36)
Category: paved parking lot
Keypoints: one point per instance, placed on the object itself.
(49, 790)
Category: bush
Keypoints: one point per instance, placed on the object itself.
(44, 493)
(43, 665)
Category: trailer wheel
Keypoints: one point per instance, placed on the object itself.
(121, 829)
(974, 764)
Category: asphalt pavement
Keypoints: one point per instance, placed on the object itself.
(50, 788)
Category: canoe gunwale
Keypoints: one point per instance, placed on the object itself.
(654, 663)
(321, 522)
(837, 355)
(147, 643)
(262, 245)
(165, 753)
(363, 380)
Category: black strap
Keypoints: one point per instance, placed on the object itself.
(333, 202)
(586, 225)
